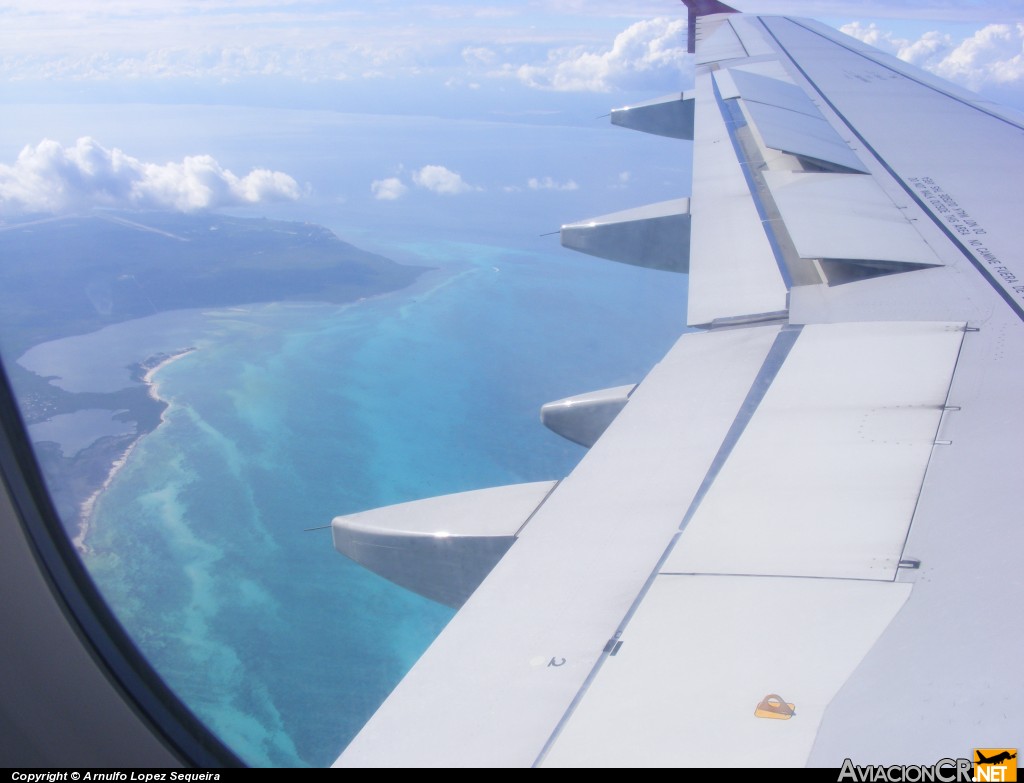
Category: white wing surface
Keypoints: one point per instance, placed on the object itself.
(798, 539)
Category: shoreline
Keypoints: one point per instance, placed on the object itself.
(118, 449)
(85, 510)
(145, 372)
(151, 371)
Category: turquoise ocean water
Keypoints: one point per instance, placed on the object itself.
(289, 414)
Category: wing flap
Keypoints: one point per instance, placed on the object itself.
(733, 266)
(803, 135)
(770, 90)
(846, 216)
(824, 479)
(493, 687)
(702, 652)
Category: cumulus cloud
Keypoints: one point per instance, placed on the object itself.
(439, 179)
(388, 189)
(547, 183)
(648, 46)
(50, 177)
(927, 51)
(994, 55)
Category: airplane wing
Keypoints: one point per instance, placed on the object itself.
(797, 539)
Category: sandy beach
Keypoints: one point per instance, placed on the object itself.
(163, 361)
(148, 369)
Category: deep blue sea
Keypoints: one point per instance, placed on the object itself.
(290, 414)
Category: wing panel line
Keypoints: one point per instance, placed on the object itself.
(1016, 307)
(773, 362)
(931, 454)
(732, 123)
(743, 46)
(745, 575)
(781, 348)
(539, 506)
(881, 64)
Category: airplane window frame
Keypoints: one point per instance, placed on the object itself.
(86, 612)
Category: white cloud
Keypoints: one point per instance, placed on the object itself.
(230, 40)
(547, 183)
(388, 189)
(652, 45)
(622, 180)
(441, 180)
(549, 44)
(479, 55)
(52, 178)
(929, 49)
(992, 55)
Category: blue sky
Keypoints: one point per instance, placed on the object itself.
(265, 106)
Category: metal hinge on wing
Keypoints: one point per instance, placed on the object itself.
(583, 418)
(656, 236)
(441, 547)
(670, 115)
